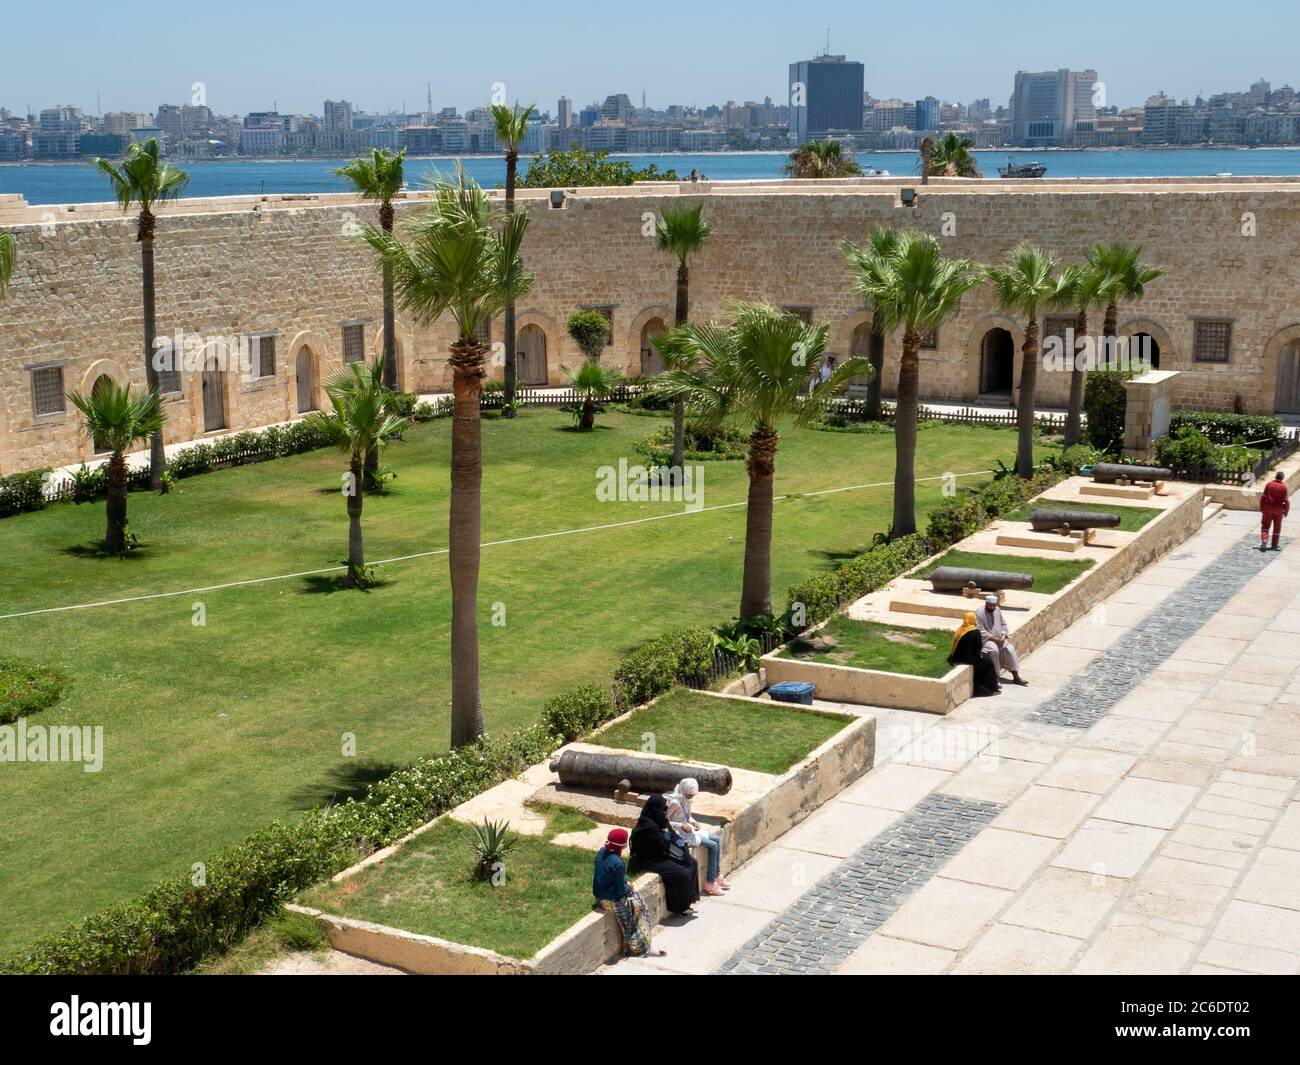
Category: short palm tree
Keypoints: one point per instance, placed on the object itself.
(1025, 285)
(462, 259)
(1131, 274)
(950, 156)
(361, 422)
(511, 124)
(8, 257)
(821, 159)
(379, 177)
(143, 180)
(594, 382)
(117, 420)
(909, 284)
(1080, 288)
(682, 230)
(756, 369)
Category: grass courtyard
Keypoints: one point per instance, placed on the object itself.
(891, 648)
(213, 730)
(1050, 574)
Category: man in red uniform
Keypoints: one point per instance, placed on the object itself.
(1273, 507)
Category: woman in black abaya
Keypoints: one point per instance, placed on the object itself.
(654, 851)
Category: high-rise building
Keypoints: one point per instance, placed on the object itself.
(1048, 107)
(565, 112)
(825, 95)
(338, 116)
(617, 108)
(927, 114)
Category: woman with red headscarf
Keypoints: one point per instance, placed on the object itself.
(615, 895)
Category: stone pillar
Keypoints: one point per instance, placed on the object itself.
(1146, 413)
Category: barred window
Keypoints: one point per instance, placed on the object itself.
(264, 353)
(47, 391)
(930, 340)
(1212, 341)
(804, 314)
(606, 311)
(483, 334)
(169, 381)
(354, 342)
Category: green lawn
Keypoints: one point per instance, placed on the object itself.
(1050, 574)
(211, 731)
(1131, 518)
(428, 887)
(701, 728)
(892, 648)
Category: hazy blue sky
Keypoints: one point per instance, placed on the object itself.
(253, 56)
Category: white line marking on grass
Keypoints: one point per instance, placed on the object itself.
(444, 550)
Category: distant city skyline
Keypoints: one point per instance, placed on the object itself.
(292, 57)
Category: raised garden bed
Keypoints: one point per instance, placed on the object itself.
(1131, 519)
(1050, 574)
(872, 645)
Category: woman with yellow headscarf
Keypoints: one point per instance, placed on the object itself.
(968, 650)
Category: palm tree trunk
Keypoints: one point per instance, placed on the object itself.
(511, 373)
(1074, 412)
(115, 505)
(905, 415)
(355, 501)
(876, 356)
(1110, 326)
(1025, 410)
(588, 418)
(927, 146)
(756, 585)
(466, 487)
(680, 316)
(144, 234)
(390, 317)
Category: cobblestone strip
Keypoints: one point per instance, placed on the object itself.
(1114, 673)
(819, 931)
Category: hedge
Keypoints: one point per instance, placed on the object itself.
(22, 492)
(1258, 430)
(818, 597)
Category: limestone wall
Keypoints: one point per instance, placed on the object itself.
(284, 264)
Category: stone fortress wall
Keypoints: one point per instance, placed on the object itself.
(290, 265)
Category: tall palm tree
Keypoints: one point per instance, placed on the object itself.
(463, 259)
(379, 177)
(118, 421)
(821, 159)
(8, 257)
(362, 422)
(755, 368)
(1025, 285)
(143, 180)
(682, 230)
(1132, 276)
(910, 284)
(881, 244)
(1080, 288)
(512, 124)
(950, 156)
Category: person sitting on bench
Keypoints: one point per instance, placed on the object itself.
(997, 641)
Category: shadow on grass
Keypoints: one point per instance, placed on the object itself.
(94, 549)
(347, 780)
(597, 428)
(329, 583)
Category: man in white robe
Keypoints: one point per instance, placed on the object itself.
(997, 641)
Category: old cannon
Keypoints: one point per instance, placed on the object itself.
(1065, 520)
(1121, 473)
(624, 772)
(956, 578)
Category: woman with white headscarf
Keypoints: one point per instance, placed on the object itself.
(688, 830)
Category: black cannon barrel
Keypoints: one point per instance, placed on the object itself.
(1042, 520)
(1110, 472)
(593, 769)
(955, 578)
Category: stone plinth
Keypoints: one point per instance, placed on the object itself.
(1146, 412)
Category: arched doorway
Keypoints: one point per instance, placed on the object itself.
(101, 382)
(214, 404)
(1287, 397)
(530, 355)
(651, 361)
(866, 345)
(305, 376)
(1144, 346)
(997, 364)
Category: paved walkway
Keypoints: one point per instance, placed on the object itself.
(1134, 810)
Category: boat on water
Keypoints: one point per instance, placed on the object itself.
(1021, 170)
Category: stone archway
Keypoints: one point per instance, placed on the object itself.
(1281, 371)
(992, 359)
(212, 391)
(306, 375)
(549, 343)
(99, 446)
(636, 334)
(651, 361)
(1159, 345)
(530, 356)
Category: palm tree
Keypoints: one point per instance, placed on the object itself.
(379, 177)
(593, 381)
(512, 124)
(755, 368)
(682, 230)
(881, 244)
(910, 284)
(1025, 284)
(362, 422)
(1132, 276)
(118, 421)
(463, 259)
(8, 257)
(950, 156)
(1080, 288)
(142, 179)
(821, 159)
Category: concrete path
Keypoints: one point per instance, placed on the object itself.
(1134, 810)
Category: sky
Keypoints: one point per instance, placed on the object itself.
(292, 56)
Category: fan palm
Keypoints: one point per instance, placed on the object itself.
(756, 369)
(910, 284)
(1025, 285)
(821, 159)
(362, 422)
(682, 230)
(1080, 288)
(463, 259)
(1131, 274)
(117, 420)
(7, 259)
(881, 244)
(143, 180)
(950, 156)
(511, 124)
(593, 381)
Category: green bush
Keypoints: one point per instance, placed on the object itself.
(817, 598)
(651, 669)
(1190, 449)
(577, 711)
(1258, 430)
(26, 688)
(703, 442)
(589, 330)
(1104, 403)
(22, 492)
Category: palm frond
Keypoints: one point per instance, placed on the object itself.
(378, 176)
(682, 229)
(115, 417)
(142, 178)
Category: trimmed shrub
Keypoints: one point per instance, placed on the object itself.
(1258, 430)
(26, 688)
(577, 711)
(820, 596)
(22, 492)
(1104, 401)
(650, 670)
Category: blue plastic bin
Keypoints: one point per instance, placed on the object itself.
(793, 691)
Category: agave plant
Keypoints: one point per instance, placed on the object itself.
(491, 841)
(593, 382)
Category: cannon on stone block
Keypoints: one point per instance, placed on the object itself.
(978, 582)
(1122, 473)
(625, 772)
(1066, 520)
